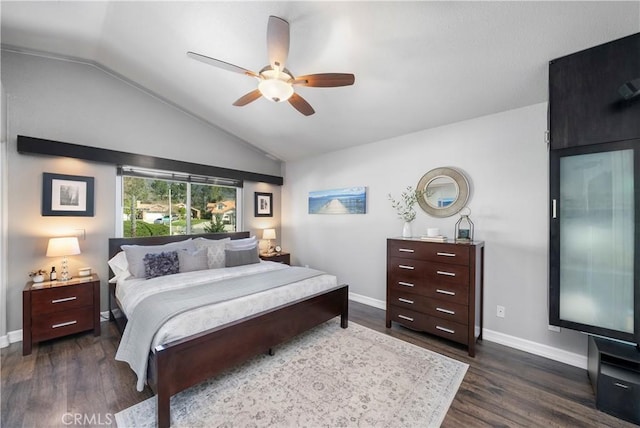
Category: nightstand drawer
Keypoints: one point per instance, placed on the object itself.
(61, 299)
(62, 323)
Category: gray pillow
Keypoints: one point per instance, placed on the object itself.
(241, 257)
(161, 264)
(193, 260)
(135, 254)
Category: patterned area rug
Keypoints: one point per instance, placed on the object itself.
(327, 377)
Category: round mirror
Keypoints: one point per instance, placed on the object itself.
(444, 192)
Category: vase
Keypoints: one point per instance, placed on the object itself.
(406, 229)
(37, 278)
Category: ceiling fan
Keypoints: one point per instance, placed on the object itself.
(275, 81)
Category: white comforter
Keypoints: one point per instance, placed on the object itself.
(131, 291)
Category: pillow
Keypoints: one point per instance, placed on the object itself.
(119, 267)
(215, 251)
(192, 260)
(241, 257)
(160, 264)
(136, 253)
(242, 244)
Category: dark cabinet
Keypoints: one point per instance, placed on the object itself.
(614, 371)
(586, 105)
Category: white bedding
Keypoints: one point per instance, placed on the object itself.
(132, 290)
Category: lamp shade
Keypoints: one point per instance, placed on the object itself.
(66, 246)
(269, 234)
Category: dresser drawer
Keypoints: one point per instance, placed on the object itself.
(430, 324)
(439, 308)
(61, 323)
(415, 270)
(448, 292)
(407, 317)
(447, 329)
(422, 250)
(61, 299)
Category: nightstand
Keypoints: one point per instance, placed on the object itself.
(54, 309)
(277, 257)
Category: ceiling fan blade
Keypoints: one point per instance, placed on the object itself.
(221, 64)
(277, 42)
(247, 98)
(325, 80)
(301, 105)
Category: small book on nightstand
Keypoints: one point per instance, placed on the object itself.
(438, 238)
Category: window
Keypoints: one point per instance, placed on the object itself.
(156, 203)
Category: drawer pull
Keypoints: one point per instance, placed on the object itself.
(446, 311)
(405, 318)
(446, 330)
(406, 250)
(441, 272)
(405, 300)
(446, 254)
(447, 292)
(406, 284)
(621, 385)
(406, 267)
(64, 324)
(66, 299)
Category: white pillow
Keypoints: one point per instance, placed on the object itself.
(201, 243)
(190, 261)
(135, 254)
(242, 244)
(215, 256)
(119, 266)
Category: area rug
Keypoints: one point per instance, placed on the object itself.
(326, 377)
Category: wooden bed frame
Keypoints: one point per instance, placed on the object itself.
(180, 364)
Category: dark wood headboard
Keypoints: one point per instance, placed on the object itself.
(115, 243)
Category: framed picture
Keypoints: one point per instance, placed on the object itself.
(349, 200)
(263, 204)
(67, 195)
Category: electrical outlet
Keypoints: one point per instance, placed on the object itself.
(554, 328)
(500, 310)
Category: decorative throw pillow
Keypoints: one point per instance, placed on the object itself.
(241, 244)
(193, 260)
(161, 264)
(215, 251)
(136, 253)
(241, 257)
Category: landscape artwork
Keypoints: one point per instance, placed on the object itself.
(350, 200)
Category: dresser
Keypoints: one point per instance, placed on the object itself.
(58, 308)
(436, 288)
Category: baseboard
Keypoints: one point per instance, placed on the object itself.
(571, 358)
(380, 304)
(546, 351)
(11, 337)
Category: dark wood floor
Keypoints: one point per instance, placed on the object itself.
(76, 382)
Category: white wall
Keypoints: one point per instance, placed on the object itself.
(80, 103)
(506, 161)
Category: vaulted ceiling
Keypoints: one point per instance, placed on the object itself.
(418, 64)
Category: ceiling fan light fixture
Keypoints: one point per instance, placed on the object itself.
(275, 90)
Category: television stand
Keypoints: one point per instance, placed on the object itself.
(614, 371)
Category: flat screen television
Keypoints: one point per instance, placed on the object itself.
(595, 237)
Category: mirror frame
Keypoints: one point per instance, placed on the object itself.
(463, 192)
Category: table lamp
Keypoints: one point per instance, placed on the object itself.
(269, 234)
(63, 247)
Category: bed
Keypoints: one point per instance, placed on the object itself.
(177, 364)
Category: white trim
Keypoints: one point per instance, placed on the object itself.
(11, 337)
(546, 351)
(535, 348)
(380, 304)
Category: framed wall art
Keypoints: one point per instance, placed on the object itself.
(67, 195)
(263, 204)
(349, 200)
